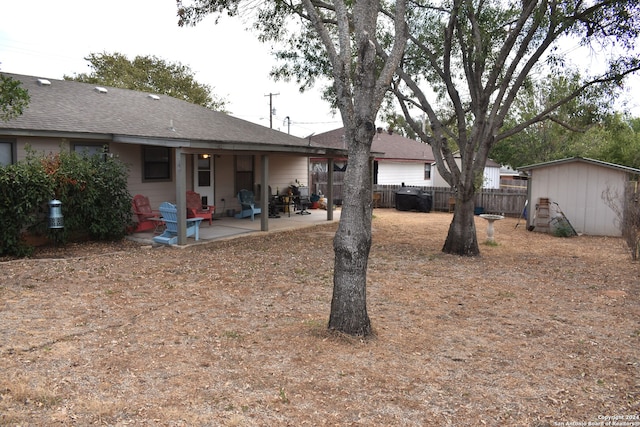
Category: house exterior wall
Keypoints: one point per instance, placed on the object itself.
(41, 146)
(284, 170)
(491, 177)
(577, 188)
(395, 173)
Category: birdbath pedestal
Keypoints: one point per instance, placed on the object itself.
(490, 220)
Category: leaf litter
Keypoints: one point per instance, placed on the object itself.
(537, 331)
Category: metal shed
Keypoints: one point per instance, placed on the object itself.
(577, 186)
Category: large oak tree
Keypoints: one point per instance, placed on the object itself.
(341, 36)
(467, 60)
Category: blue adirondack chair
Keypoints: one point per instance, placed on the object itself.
(247, 205)
(169, 214)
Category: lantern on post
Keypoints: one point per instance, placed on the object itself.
(55, 214)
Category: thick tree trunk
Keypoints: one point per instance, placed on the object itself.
(462, 239)
(352, 243)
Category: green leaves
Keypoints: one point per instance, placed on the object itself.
(93, 191)
(149, 74)
(13, 98)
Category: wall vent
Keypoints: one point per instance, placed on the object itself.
(44, 82)
(154, 97)
(101, 89)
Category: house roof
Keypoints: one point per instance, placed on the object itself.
(580, 160)
(385, 146)
(74, 109)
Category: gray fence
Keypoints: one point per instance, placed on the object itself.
(507, 201)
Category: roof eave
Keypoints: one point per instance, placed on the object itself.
(57, 134)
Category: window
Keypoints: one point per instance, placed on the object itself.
(89, 150)
(204, 170)
(427, 171)
(156, 164)
(244, 173)
(7, 155)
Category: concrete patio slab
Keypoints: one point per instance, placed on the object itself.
(230, 227)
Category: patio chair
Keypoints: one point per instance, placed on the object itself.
(247, 205)
(195, 208)
(144, 213)
(169, 214)
(303, 201)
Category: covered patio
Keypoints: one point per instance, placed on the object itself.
(224, 228)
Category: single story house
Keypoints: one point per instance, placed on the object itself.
(396, 159)
(491, 178)
(170, 145)
(577, 187)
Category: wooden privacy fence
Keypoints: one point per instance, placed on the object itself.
(507, 201)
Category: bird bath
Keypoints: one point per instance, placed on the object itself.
(491, 219)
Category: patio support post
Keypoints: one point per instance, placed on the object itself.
(330, 191)
(264, 194)
(181, 195)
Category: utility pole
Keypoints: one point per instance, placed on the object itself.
(271, 95)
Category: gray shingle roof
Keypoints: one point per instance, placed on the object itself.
(394, 146)
(74, 107)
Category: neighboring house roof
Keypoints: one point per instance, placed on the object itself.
(385, 146)
(580, 160)
(74, 109)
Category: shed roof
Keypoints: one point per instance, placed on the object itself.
(59, 107)
(580, 160)
(386, 146)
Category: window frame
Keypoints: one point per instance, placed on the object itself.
(100, 148)
(13, 152)
(427, 171)
(146, 150)
(242, 175)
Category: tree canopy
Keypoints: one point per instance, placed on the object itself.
(149, 74)
(462, 69)
(468, 60)
(465, 64)
(13, 98)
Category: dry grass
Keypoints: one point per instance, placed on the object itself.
(538, 331)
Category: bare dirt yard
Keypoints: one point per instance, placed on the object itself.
(538, 331)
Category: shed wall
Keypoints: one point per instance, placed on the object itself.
(577, 188)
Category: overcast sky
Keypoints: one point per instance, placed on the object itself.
(49, 39)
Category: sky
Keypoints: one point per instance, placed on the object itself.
(50, 39)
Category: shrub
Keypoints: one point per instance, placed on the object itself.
(93, 190)
(25, 189)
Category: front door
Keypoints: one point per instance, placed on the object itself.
(203, 177)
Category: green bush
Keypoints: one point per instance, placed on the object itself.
(25, 189)
(93, 191)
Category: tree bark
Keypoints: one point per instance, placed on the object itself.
(461, 238)
(352, 241)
